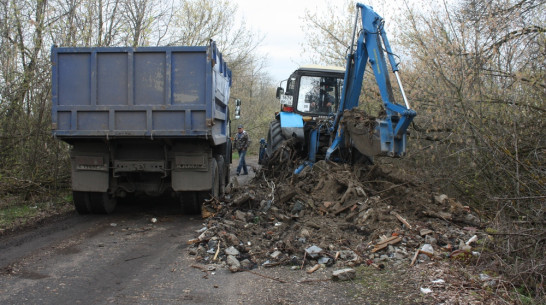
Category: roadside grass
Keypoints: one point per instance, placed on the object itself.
(17, 212)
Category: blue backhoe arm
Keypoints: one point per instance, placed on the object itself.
(371, 44)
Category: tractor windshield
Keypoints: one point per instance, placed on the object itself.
(319, 95)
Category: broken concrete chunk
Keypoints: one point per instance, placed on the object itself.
(430, 240)
(232, 239)
(313, 251)
(205, 236)
(427, 249)
(344, 274)
(231, 251)
(348, 255)
(325, 261)
(440, 198)
(298, 206)
(233, 263)
(240, 215)
(247, 264)
(424, 232)
(305, 233)
(275, 254)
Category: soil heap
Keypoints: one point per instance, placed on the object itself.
(331, 214)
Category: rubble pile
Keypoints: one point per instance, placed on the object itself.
(332, 215)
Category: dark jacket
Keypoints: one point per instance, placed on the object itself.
(242, 140)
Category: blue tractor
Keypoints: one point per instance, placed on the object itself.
(319, 117)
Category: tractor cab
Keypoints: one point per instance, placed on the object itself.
(312, 91)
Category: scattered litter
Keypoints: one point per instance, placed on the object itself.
(425, 232)
(313, 269)
(313, 251)
(402, 220)
(325, 261)
(386, 242)
(427, 249)
(472, 239)
(426, 290)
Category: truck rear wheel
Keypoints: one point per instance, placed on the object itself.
(81, 202)
(189, 202)
(101, 203)
(221, 174)
(93, 202)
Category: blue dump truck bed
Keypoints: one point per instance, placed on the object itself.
(153, 92)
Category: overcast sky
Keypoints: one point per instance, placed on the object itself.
(279, 22)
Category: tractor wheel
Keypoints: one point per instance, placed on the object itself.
(274, 138)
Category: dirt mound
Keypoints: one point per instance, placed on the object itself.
(330, 214)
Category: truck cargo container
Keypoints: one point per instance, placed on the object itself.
(145, 120)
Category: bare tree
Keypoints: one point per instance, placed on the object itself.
(328, 33)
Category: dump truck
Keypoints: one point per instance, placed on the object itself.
(143, 121)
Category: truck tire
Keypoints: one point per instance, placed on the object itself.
(81, 202)
(221, 174)
(215, 191)
(274, 138)
(101, 203)
(93, 202)
(189, 203)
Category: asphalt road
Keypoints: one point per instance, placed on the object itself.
(126, 258)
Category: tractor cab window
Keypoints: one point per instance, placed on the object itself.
(318, 95)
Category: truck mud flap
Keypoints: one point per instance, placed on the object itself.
(191, 173)
(90, 172)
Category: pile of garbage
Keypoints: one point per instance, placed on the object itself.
(332, 215)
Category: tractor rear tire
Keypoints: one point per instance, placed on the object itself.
(274, 138)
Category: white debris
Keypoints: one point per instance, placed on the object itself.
(471, 240)
(426, 290)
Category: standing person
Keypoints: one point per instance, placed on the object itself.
(241, 143)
